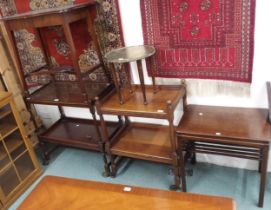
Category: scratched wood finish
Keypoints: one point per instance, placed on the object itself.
(51, 193)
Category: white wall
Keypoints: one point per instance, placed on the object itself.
(131, 21)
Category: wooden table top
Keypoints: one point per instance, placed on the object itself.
(129, 54)
(134, 104)
(230, 122)
(56, 193)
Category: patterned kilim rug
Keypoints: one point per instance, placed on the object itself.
(206, 39)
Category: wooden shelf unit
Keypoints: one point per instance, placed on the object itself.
(79, 93)
(19, 167)
(143, 141)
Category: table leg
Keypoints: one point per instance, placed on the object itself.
(151, 64)
(141, 78)
(114, 74)
(128, 76)
(182, 166)
(265, 153)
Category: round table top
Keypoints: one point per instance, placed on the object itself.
(129, 54)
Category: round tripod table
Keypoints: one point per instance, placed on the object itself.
(126, 55)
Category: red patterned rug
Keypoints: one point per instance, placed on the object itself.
(206, 39)
(107, 26)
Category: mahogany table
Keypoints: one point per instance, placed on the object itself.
(228, 131)
(64, 193)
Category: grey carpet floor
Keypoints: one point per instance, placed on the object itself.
(239, 184)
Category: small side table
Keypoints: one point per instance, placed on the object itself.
(124, 56)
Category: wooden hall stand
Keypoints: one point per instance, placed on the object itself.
(80, 93)
(51, 193)
(143, 141)
(235, 132)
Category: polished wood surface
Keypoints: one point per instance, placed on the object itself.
(69, 93)
(247, 124)
(62, 193)
(144, 141)
(228, 131)
(80, 133)
(157, 106)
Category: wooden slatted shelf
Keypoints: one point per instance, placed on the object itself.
(144, 141)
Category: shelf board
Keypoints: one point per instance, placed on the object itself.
(68, 93)
(4, 111)
(13, 142)
(7, 129)
(144, 141)
(134, 104)
(75, 132)
(4, 95)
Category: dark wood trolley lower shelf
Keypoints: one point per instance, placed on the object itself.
(144, 141)
(80, 133)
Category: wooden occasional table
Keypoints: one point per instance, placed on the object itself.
(124, 56)
(64, 193)
(235, 132)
